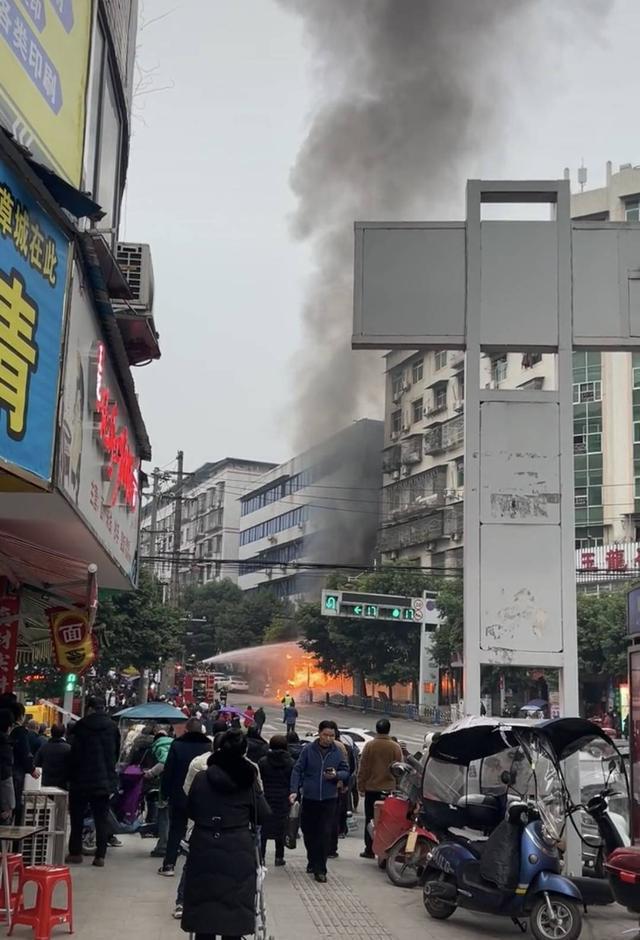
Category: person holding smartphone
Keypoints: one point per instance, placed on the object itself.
(316, 774)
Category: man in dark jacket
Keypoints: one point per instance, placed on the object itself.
(53, 757)
(95, 747)
(275, 770)
(23, 762)
(184, 749)
(319, 768)
(7, 792)
(257, 747)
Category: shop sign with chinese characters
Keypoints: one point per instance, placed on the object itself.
(44, 62)
(600, 562)
(9, 613)
(74, 645)
(98, 458)
(33, 275)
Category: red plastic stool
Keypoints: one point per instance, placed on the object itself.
(16, 867)
(42, 916)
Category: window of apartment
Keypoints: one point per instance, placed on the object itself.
(208, 548)
(499, 370)
(636, 432)
(529, 360)
(440, 397)
(416, 410)
(440, 359)
(104, 135)
(217, 543)
(636, 377)
(396, 421)
(417, 370)
(632, 210)
(396, 383)
(581, 497)
(587, 391)
(637, 487)
(459, 472)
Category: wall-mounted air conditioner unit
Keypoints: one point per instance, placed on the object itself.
(406, 470)
(394, 555)
(406, 426)
(396, 474)
(455, 536)
(134, 260)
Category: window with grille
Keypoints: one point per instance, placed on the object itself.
(440, 359)
(587, 391)
(417, 369)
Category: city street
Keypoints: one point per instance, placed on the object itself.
(410, 732)
(358, 903)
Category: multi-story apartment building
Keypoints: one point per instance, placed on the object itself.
(423, 461)
(319, 507)
(210, 508)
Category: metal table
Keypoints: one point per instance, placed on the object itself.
(9, 834)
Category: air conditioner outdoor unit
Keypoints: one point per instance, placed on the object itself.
(273, 539)
(450, 494)
(455, 536)
(430, 546)
(394, 555)
(458, 407)
(406, 386)
(134, 260)
(396, 474)
(406, 426)
(406, 470)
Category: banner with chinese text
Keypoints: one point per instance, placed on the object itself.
(74, 645)
(44, 63)
(9, 615)
(33, 276)
(98, 454)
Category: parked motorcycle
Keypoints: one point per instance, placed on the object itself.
(400, 842)
(517, 873)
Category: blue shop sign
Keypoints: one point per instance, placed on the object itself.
(33, 277)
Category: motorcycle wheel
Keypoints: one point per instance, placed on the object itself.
(404, 873)
(436, 908)
(566, 923)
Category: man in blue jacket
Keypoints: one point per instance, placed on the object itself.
(317, 772)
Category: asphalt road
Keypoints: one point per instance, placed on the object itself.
(411, 732)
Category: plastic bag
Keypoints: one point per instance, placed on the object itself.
(293, 826)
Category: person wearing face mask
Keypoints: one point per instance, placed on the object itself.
(316, 774)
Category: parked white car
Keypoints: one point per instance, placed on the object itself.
(359, 736)
(237, 684)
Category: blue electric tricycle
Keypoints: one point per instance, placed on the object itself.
(517, 871)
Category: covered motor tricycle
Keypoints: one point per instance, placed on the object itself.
(519, 793)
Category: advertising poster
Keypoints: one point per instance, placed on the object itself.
(33, 276)
(9, 612)
(44, 63)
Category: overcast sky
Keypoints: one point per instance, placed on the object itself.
(226, 99)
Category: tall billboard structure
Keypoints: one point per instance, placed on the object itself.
(490, 287)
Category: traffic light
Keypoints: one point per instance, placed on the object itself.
(372, 606)
(70, 682)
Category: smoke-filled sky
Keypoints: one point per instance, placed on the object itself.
(262, 129)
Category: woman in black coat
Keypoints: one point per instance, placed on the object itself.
(220, 883)
(275, 770)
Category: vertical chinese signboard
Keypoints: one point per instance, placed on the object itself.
(33, 275)
(74, 645)
(9, 611)
(44, 63)
(98, 458)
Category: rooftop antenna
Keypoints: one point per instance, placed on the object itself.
(582, 175)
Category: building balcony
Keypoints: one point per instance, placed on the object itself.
(391, 458)
(456, 359)
(405, 534)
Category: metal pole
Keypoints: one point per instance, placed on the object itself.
(177, 531)
(154, 517)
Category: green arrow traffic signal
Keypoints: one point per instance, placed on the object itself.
(357, 610)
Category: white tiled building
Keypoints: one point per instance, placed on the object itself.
(210, 522)
(321, 506)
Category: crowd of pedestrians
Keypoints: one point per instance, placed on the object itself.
(216, 790)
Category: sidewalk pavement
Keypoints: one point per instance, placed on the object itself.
(358, 902)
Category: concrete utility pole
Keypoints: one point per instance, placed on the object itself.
(154, 516)
(177, 531)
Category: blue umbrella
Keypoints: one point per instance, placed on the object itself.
(153, 711)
